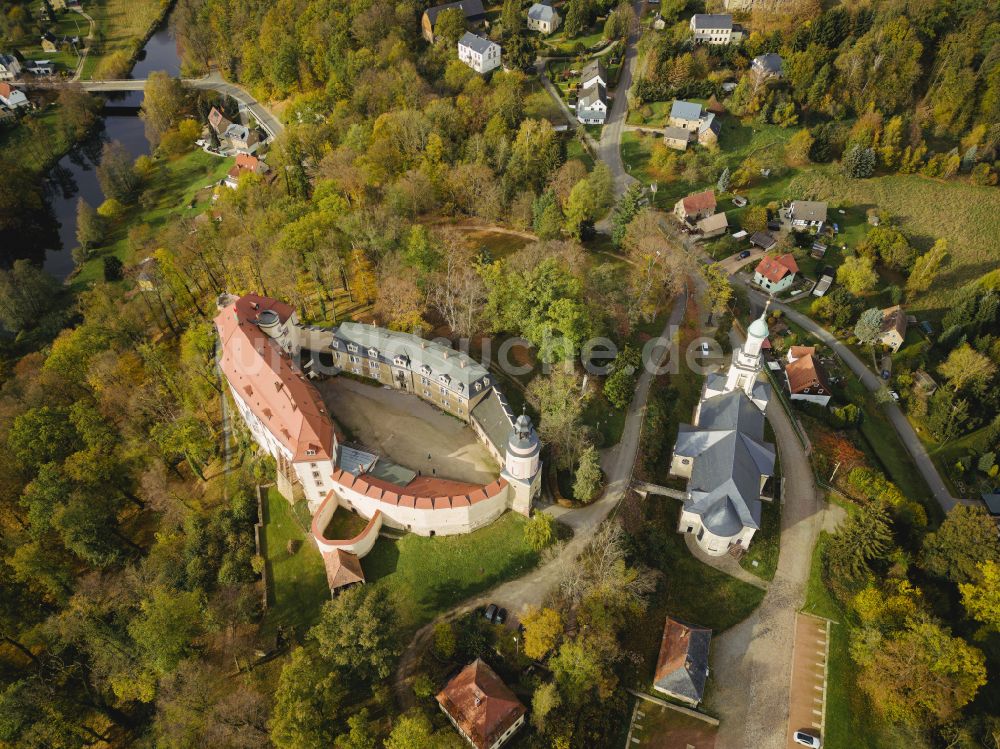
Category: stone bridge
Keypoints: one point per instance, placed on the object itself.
(644, 488)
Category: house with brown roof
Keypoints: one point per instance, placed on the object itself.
(682, 667)
(714, 225)
(893, 327)
(218, 121)
(481, 707)
(472, 10)
(695, 207)
(775, 273)
(343, 570)
(805, 377)
(245, 164)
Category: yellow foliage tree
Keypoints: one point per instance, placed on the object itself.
(542, 628)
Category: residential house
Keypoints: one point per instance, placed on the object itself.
(682, 667)
(543, 18)
(676, 137)
(805, 377)
(479, 53)
(696, 206)
(473, 10)
(241, 138)
(481, 707)
(245, 164)
(10, 67)
(593, 72)
(807, 214)
(715, 28)
(709, 129)
(893, 327)
(768, 65)
(763, 240)
(713, 226)
(775, 273)
(49, 42)
(12, 98)
(40, 67)
(592, 104)
(218, 122)
(685, 114)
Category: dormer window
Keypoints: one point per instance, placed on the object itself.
(352, 347)
(310, 452)
(486, 380)
(478, 386)
(425, 369)
(401, 361)
(335, 344)
(461, 387)
(373, 353)
(444, 379)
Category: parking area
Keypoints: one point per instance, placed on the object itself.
(659, 725)
(734, 262)
(807, 701)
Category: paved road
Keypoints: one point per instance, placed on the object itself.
(752, 661)
(610, 148)
(533, 588)
(896, 417)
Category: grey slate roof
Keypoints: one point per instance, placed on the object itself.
(592, 69)
(730, 456)
(808, 210)
(685, 110)
(476, 43)
(472, 9)
(713, 21)
(676, 133)
(709, 123)
(768, 63)
(541, 12)
(493, 414)
(424, 358)
(590, 96)
(679, 672)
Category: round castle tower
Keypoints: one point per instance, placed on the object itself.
(522, 464)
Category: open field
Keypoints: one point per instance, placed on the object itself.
(121, 25)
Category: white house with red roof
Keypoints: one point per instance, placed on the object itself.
(481, 707)
(12, 98)
(775, 273)
(696, 206)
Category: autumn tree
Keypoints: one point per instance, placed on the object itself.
(857, 274)
(981, 597)
(863, 539)
(965, 539)
(115, 173)
(588, 477)
(538, 531)
(164, 101)
(561, 405)
(966, 368)
(542, 630)
(658, 269)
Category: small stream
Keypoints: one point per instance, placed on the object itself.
(75, 175)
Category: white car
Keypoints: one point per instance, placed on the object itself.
(703, 349)
(807, 739)
(894, 395)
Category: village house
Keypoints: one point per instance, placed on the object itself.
(807, 214)
(218, 121)
(697, 206)
(723, 453)
(685, 114)
(241, 138)
(12, 98)
(40, 67)
(893, 328)
(715, 28)
(701, 125)
(767, 65)
(775, 273)
(245, 164)
(592, 104)
(472, 9)
(804, 376)
(593, 72)
(481, 707)
(676, 137)
(542, 17)
(478, 53)
(682, 666)
(10, 67)
(713, 226)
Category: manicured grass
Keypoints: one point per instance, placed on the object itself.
(653, 114)
(766, 543)
(561, 45)
(298, 586)
(34, 154)
(576, 150)
(426, 576)
(123, 24)
(636, 150)
(174, 187)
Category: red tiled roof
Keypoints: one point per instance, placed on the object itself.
(774, 268)
(806, 373)
(674, 647)
(700, 201)
(798, 352)
(342, 568)
(246, 161)
(6, 89)
(285, 402)
(481, 704)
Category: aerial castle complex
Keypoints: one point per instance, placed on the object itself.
(723, 454)
(261, 340)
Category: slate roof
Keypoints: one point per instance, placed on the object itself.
(473, 9)
(594, 68)
(763, 240)
(685, 110)
(682, 667)
(730, 456)
(495, 417)
(541, 12)
(481, 704)
(709, 122)
(676, 133)
(475, 43)
(418, 353)
(712, 21)
(808, 210)
(769, 63)
(591, 95)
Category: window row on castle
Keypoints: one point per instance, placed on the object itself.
(402, 361)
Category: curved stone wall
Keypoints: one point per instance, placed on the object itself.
(360, 545)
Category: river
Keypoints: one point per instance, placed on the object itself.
(75, 175)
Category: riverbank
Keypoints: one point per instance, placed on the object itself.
(126, 27)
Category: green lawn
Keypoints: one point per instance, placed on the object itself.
(66, 23)
(539, 105)
(653, 114)
(122, 24)
(426, 576)
(766, 543)
(561, 45)
(298, 584)
(576, 150)
(35, 154)
(174, 188)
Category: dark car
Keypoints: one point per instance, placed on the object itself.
(501, 617)
(744, 255)
(885, 374)
(490, 613)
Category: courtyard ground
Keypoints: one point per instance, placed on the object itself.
(657, 726)
(406, 430)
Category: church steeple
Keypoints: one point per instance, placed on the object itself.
(745, 366)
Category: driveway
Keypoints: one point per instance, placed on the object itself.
(752, 661)
(734, 262)
(895, 415)
(610, 149)
(533, 588)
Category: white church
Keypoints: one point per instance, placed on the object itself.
(723, 454)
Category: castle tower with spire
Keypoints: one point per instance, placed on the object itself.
(746, 365)
(522, 465)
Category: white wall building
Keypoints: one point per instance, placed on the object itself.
(10, 68)
(478, 53)
(715, 28)
(543, 18)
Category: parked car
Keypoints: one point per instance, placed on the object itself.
(885, 374)
(501, 617)
(807, 739)
(744, 255)
(894, 395)
(739, 201)
(703, 349)
(491, 612)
